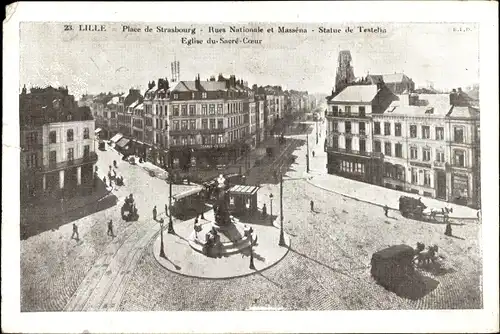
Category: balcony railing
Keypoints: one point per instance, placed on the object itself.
(344, 115)
(51, 167)
(356, 152)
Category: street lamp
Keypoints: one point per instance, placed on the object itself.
(282, 235)
(307, 153)
(316, 131)
(271, 200)
(170, 222)
(162, 251)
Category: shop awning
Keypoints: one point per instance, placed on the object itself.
(187, 193)
(123, 142)
(243, 190)
(116, 138)
(98, 130)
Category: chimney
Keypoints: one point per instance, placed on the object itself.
(232, 80)
(453, 97)
(220, 78)
(197, 84)
(404, 99)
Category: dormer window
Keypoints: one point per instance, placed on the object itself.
(69, 117)
(192, 95)
(204, 95)
(176, 96)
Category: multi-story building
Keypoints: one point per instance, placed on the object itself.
(208, 121)
(57, 141)
(125, 107)
(349, 132)
(426, 144)
(110, 117)
(259, 113)
(156, 102)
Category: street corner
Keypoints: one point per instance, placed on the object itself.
(180, 258)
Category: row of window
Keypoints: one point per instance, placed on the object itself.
(206, 109)
(349, 111)
(425, 131)
(70, 155)
(204, 95)
(352, 167)
(348, 144)
(69, 135)
(105, 114)
(209, 139)
(415, 176)
(348, 127)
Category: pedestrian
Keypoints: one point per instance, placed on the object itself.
(386, 210)
(312, 205)
(202, 216)
(154, 213)
(196, 220)
(264, 210)
(447, 231)
(110, 228)
(104, 180)
(75, 231)
(479, 215)
(314, 153)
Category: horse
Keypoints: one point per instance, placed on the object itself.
(433, 212)
(428, 256)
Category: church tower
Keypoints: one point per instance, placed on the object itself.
(345, 72)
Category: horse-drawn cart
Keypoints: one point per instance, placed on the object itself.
(411, 207)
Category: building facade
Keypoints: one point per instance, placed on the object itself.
(425, 144)
(57, 141)
(349, 143)
(209, 122)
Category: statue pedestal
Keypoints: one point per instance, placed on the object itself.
(233, 239)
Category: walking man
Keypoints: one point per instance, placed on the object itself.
(154, 213)
(312, 205)
(75, 231)
(386, 210)
(110, 228)
(196, 220)
(314, 153)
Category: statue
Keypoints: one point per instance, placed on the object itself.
(221, 208)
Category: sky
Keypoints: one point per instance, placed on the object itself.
(92, 62)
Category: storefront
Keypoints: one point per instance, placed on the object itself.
(460, 188)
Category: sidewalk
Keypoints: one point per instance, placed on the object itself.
(382, 196)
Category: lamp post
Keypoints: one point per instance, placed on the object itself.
(307, 153)
(271, 201)
(162, 251)
(316, 131)
(170, 222)
(282, 235)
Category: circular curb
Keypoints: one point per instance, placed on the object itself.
(155, 238)
(370, 202)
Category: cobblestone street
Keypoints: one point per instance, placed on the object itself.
(327, 267)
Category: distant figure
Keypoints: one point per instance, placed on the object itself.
(110, 228)
(386, 210)
(114, 164)
(104, 180)
(166, 210)
(202, 216)
(447, 231)
(479, 215)
(154, 213)
(264, 210)
(312, 205)
(75, 232)
(196, 220)
(314, 154)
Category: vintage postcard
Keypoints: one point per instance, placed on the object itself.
(185, 173)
